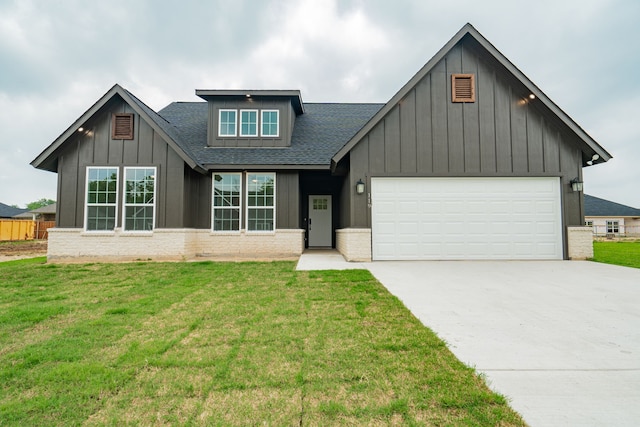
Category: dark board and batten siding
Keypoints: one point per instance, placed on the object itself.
(95, 147)
(286, 115)
(502, 133)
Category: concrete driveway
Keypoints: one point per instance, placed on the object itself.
(560, 339)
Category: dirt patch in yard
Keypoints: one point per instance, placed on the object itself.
(23, 249)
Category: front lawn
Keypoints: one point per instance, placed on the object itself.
(223, 344)
(619, 253)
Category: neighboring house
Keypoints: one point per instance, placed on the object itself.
(469, 160)
(7, 211)
(44, 213)
(610, 218)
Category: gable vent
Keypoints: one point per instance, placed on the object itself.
(122, 126)
(463, 88)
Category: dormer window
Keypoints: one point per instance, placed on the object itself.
(270, 123)
(227, 123)
(248, 122)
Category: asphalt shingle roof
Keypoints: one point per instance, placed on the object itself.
(317, 135)
(594, 206)
(7, 211)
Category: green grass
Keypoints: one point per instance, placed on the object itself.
(619, 253)
(223, 344)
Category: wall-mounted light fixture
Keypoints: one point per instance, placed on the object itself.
(359, 187)
(576, 185)
(593, 159)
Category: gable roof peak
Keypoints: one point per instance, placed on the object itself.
(47, 159)
(590, 147)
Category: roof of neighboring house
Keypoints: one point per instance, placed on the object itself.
(7, 211)
(317, 135)
(48, 209)
(594, 206)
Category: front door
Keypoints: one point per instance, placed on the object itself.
(319, 221)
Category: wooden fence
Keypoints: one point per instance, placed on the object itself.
(15, 229)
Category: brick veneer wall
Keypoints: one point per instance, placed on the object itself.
(354, 243)
(75, 245)
(580, 242)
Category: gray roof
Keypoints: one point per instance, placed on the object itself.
(47, 209)
(317, 135)
(594, 206)
(7, 211)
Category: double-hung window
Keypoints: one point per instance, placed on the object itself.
(139, 198)
(227, 193)
(613, 226)
(248, 122)
(270, 123)
(261, 196)
(102, 199)
(227, 121)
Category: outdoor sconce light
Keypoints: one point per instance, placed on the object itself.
(576, 185)
(359, 187)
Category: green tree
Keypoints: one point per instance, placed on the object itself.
(39, 203)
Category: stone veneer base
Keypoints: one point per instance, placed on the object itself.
(76, 245)
(354, 244)
(580, 242)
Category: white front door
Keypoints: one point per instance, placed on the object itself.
(319, 221)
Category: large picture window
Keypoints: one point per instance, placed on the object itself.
(102, 199)
(261, 189)
(227, 122)
(270, 123)
(227, 192)
(139, 198)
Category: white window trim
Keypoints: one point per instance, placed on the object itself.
(125, 204)
(246, 198)
(235, 124)
(613, 223)
(257, 122)
(213, 208)
(86, 200)
(277, 123)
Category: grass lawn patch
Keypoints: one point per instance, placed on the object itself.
(619, 253)
(223, 344)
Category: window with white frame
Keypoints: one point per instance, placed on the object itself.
(227, 194)
(227, 121)
(588, 223)
(261, 189)
(248, 122)
(139, 198)
(270, 123)
(101, 199)
(613, 227)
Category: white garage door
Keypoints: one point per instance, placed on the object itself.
(466, 218)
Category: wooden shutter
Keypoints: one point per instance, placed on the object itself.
(122, 126)
(463, 88)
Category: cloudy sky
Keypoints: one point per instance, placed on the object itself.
(57, 59)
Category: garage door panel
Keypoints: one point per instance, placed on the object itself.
(466, 218)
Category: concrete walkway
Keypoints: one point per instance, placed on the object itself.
(560, 339)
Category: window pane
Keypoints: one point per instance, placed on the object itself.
(249, 123)
(101, 218)
(139, 199)
(261, 202)
(227, 125)
(226, 202)
(270, 123)
(102, 185)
